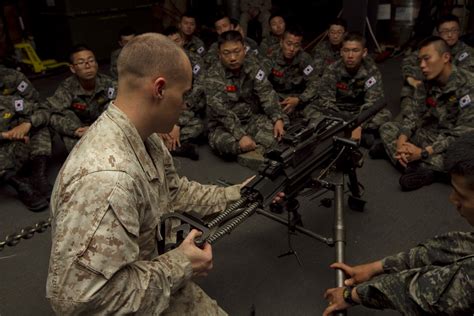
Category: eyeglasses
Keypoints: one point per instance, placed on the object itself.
(450, 31)
(83, 63)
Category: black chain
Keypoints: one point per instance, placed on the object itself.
(26, 233)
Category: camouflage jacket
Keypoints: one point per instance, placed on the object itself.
(15, 84)
(104, 256)
(113, 63)
(195, 45)
(14, 110)
(324, 55)
(434, 278)
(296, 78)
(462, 57)
(78, 108)
(446, 111)
(233, 98)
(343, 92)
(269, 44)
(251, 51)
(195, 99)
(261, 5)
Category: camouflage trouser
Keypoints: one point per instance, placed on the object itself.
(192, 300)
(13, 155)
(62, 125)
(422, 138)
(191, 126)
(40, 142)
(260, 128)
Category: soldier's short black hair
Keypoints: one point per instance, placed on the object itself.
(354, 37)
(338, 21)
(447, 18)
(170, 30)
(229, 36)
(234, 22)
(294, 29)
(76, 49)
(189, 14)
(459, 158)
(220, 14)
(127, 31)
(439, 43)
(274, 15)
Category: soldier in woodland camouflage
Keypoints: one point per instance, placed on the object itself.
(80, 99)
(328, 52)
(25, 137)
(125, 35)
(441, 111)
(462, 56)
(292, 73)
(434, 278)
(277, 29)
(350, 86)
(242, 107)
(112, 191)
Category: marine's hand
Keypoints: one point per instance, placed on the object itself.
(201, 259)
(335, 300)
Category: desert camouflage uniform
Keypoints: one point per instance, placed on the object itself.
(113, 63)
(263, 7)
(297, 78)
(195, 45)
(324, 55)
(436, 118)
(14, 83)
(346, 96)
(434, 278)
(73, 108)
(462, 57)
(106, 207)
(239, 105)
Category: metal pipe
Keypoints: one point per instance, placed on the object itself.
(339, 232)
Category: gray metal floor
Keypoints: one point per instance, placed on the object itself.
(247, 273)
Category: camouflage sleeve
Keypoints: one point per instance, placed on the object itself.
(412, 113)
(219, 111)
(26, 88)
(267, 96)
(464, 124)
(192, 196)
(62, 119)
(430, 290)
(467, 61)
(40, 116)
(375, 92)
(113, 64)
(410, 66)
(211, 56)
(327, 91)
(310, 72)
(98, 269)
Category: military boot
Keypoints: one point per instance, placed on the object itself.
(39, 178)
(32, 199)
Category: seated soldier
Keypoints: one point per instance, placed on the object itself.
(440, 112)
(255, 9)
(277, 29)
(17, 116)
(434, 278)
(80, 99)
(350, 86)
(190, 126)
(243, 111)
(292, 73)
(222, 24)
(33, 124)
(462, 56)
(187, 26)
(125, 35)
(328, 52)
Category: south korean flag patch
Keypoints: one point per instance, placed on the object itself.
(463, 56)
(370, 82)
(465, 101)
(196, 69)
(247, 49)
(19, 105)
(309, 69)
(200, 50)
(22, 86)
(111, 93)
(260, 75)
